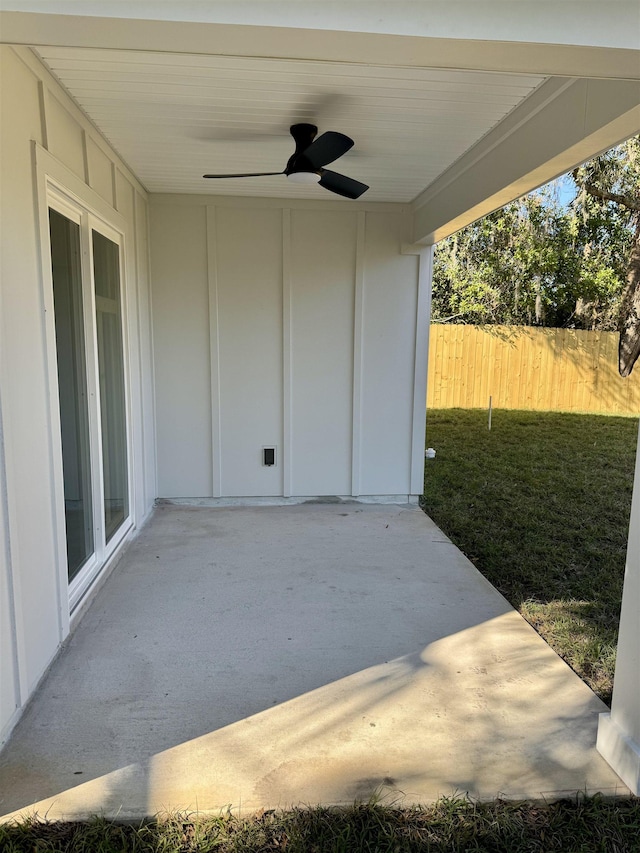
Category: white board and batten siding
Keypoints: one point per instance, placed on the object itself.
(279, 323)
(42, 131)
(289, 324)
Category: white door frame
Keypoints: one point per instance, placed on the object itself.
(60, 189)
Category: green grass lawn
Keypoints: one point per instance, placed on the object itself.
(581, 825)
(541, 506)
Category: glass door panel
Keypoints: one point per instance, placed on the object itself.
(106, 272)
(72, 389)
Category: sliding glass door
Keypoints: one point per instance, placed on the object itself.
(106, 274)
(72, 389)
(87, 296)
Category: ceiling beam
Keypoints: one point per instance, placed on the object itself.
(320, 45)
(561, 124)
(546, 21)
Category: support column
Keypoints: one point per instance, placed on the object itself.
(619, 732)
(423, 319)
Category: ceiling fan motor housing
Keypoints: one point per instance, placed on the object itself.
(303, 135)
(298, 167)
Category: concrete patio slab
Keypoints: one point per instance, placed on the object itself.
(321, 653)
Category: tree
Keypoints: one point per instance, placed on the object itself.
(538, 262)
(610, 186)
(503, 268)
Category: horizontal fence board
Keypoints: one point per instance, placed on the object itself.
(522, 367)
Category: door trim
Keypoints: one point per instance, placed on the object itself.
(61, 189)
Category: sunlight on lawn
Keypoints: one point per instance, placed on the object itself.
(541, 506)
(569, 627)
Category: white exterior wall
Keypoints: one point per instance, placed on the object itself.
(34, 607)
(290, 324)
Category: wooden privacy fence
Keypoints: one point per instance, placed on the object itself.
(521, 367)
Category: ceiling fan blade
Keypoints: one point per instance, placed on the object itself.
(341, 184)
(327, 148)
(245, 175)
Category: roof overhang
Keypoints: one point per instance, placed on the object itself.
(588, 63)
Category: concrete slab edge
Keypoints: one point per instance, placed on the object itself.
(619, 751)
(403, 500)
(133, 816)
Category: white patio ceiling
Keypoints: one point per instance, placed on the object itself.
(175, 116)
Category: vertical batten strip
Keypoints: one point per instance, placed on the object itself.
(135, 247)
(43, 103)
(214, 353)
(287, 423)
(85, 158)
(423, 316)
(358, 319)
(19, 669)
(151, 438)
(114, 187)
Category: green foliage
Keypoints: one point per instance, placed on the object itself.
(537, 262)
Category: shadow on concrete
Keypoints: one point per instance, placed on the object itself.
(260, 658)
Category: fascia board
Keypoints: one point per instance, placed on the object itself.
(319, 45)
(563, 123)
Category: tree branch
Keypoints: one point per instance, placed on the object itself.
(619, 198)
(629, 346)
(446, 319)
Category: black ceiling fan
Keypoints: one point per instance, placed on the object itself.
(306, 164)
